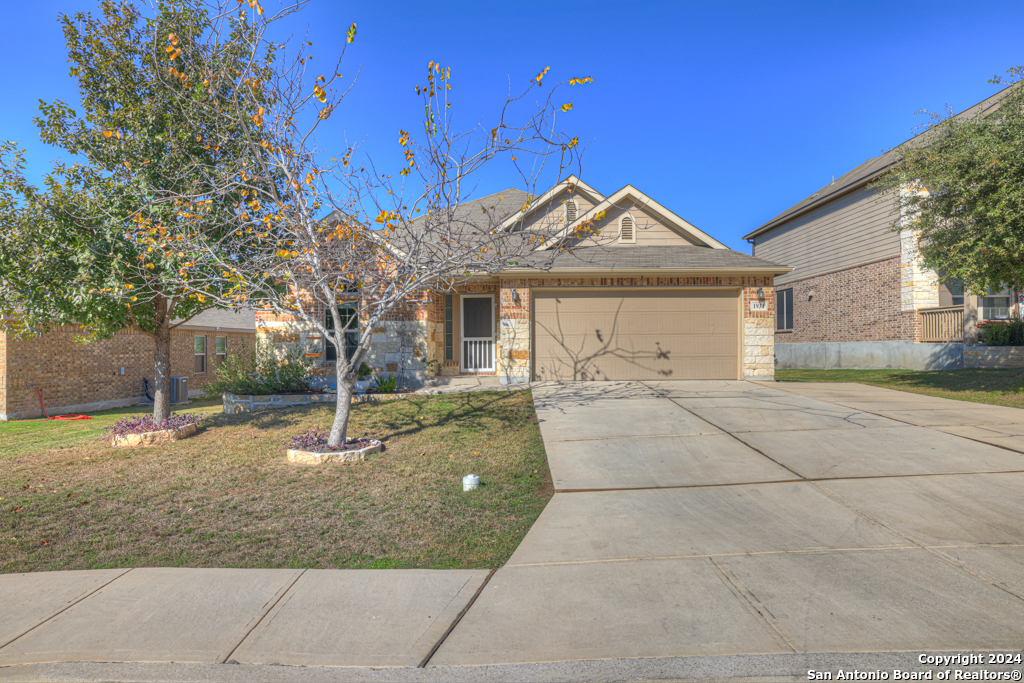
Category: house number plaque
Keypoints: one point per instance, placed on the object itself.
(758, 305)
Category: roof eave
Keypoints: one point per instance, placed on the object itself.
(655, 272)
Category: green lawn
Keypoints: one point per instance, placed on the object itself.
(998, 387)
(227, 497)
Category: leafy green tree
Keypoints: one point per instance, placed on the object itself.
(105, 243)
(960, 186)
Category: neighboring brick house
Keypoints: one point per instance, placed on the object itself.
(664, 300)
(859, 294)
(81, 377)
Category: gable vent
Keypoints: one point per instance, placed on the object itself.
(570, 212)
(626, 233)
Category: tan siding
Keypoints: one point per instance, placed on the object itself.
(847, 231)
(550, 216)
(650, 232)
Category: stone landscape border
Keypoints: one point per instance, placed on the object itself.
(154, 438)
(253, 403)
(301, 457)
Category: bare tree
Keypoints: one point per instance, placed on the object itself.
(313, 228)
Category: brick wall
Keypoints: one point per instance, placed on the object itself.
(413, 334)
(72, 373)
(862, 303)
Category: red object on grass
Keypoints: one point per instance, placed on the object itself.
(58, 417)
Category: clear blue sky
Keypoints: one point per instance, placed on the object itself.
(726, 113)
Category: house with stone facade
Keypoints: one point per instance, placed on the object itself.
(77, 377)
(859, 294)
(660, 299)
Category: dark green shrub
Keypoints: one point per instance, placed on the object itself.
(999, 333)
(260, 370)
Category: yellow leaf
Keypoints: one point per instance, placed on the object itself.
(108, 133)
(567, 106)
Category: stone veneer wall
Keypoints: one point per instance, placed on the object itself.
(919, 286)
(513, 352)
(401, 343)
(71, 373)
(993, 357)
(860, 303)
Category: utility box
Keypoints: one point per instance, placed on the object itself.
(179, 389)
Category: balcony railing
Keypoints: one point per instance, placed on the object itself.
(944, 324)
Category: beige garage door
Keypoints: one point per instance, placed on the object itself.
(602, 335)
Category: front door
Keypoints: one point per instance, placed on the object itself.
(477, 333)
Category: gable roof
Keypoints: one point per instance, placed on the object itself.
(865, 173)
(505, 207)
(571, 182)
(642, 202)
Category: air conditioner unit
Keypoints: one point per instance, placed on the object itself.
(179, 389)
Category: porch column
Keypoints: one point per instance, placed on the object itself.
(970, 318)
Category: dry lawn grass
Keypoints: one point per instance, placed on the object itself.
(227, 497)
(997, 387)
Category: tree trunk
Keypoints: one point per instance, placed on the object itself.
(162, 367)
(340, 427)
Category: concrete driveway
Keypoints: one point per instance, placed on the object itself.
(727, 518)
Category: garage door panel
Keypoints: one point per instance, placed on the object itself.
(650, 335)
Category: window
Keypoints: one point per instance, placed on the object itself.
(349, 322)
(995, 305)
(221, 348)
(784, 309)
(956, 291)
(199, 350)
(448, 325)
(570, 212)
(626, 229)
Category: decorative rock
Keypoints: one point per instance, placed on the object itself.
(153, 438)
(300, 457)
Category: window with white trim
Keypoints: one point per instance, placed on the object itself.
(221, 349)
(199, 352)
(627, 229)
(995, 305)
(350, 325)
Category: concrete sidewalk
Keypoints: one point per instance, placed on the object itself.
(701, 529)
(245, 616)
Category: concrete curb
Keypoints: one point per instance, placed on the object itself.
(761, 668)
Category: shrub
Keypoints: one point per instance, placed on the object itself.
(140, 424)
(259, 370)
(385, 385)
(999, 333)
(315, 439)
(364, 371)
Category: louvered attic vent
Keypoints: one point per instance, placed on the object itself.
(570, 212)
(626, 233)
